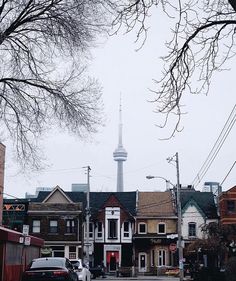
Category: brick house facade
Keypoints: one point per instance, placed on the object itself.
(227, 206)
(58, 220)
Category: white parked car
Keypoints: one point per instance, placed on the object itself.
(81, 270)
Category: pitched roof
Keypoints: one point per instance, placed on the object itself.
(155, 204)
(204, 200)
(56, 194)
(97, 199)
(127, 199)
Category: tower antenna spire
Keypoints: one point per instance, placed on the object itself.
(120, 154)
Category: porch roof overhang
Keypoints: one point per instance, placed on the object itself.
(153, 239)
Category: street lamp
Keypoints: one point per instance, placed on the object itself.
(159, 177)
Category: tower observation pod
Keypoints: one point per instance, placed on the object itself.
(120, 155)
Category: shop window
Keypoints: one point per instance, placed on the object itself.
(58, 251)
(72, 252)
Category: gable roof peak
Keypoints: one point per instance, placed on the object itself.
(54, 191)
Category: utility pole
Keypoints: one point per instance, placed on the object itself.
(180, 246)
(179, 212)
(87, 215)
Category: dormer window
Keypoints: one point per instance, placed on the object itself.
(142, 228)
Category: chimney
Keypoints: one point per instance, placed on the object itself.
(2, 166)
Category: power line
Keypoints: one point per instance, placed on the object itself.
(217, 146)
(228, 173)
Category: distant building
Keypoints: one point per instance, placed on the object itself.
(79, 187)
(214, 187)
(38, 189)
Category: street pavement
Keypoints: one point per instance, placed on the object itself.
(140, 278)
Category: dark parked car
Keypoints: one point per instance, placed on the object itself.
(48, 269)
(97, 271)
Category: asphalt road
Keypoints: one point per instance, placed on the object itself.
(139, 278)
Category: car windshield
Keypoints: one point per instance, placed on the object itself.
(39, 263)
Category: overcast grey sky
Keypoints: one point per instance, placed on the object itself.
(121, 69)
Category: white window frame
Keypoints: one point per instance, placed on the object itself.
(161, 257)
(53, 224)
(112, 213)
(100, 232)
(70, 226)
(142, 232)
(126, 233)
(115, 230)
(158, 229)
(195, 229)
(91, 228)
(142, 269)
(36, 224)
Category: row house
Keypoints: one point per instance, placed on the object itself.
(155, 231)
(126, 230)
(227, 205)
(112, 223)
(56, 218)
(198, 210)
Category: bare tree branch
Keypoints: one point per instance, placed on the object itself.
(203, 41)
(44, 46)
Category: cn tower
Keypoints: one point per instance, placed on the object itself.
(120, 155)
